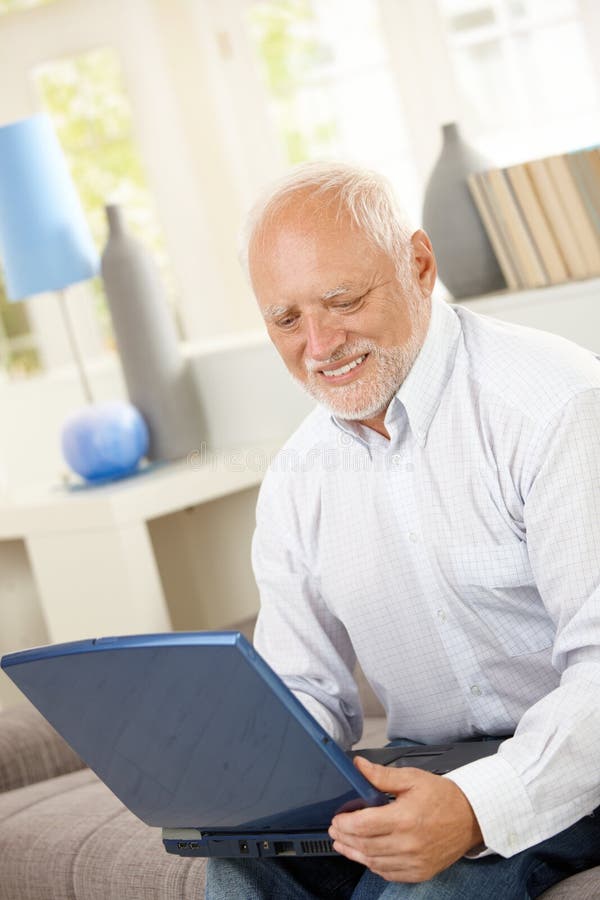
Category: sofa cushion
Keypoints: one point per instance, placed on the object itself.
(70, 838)
(585, 886)
(30, 749)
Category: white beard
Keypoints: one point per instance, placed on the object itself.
(368, 395)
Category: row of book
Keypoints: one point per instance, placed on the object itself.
(543, 217)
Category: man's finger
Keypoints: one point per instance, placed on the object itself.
(386, 778)
(381, 845)
(370, 822)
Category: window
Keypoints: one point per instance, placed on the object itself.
(55, 54)
(330, 89)
(374, 80)
(525, 75)
(91, 113)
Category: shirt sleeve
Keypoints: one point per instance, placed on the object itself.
(545, 778)
(296, 633)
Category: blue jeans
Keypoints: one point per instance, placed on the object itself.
(525, 875)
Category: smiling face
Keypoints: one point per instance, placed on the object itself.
(346, 327)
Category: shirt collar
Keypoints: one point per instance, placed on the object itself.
(422, 389)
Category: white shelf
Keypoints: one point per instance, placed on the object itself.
(162, 490)
(571, 309)
(557, 293)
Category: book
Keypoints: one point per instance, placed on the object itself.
(575, 211)
(560, 226)
(592, 164)
(493, 230)
(588, 184)
(529, 265)
(535, 219)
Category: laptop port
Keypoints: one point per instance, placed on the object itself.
(284, 848)
(194, 845)
(182, 845)
(243, 846)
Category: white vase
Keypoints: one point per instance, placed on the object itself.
(158, 379)
(466, 262)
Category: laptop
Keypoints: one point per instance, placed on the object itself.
(197, 735)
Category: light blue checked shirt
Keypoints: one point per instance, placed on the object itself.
(459, 561)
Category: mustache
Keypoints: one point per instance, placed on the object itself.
(314, 365)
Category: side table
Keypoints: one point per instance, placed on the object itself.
(89, 549)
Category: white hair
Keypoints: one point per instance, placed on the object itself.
(363, 194)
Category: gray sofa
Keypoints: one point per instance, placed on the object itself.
(65, 836)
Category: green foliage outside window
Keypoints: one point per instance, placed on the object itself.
(86, 100)
(18, 354)
(7, 6)
(291, 57)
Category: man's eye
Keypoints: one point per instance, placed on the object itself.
(348, 304)
(288, 322)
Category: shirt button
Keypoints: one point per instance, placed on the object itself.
(441, 615)
(476, 690)
(413, 536)
(397, 460)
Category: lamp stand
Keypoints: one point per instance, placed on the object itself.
(85, 385)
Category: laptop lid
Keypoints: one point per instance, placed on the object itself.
(192, 730)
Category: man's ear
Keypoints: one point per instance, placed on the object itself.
(424, 257)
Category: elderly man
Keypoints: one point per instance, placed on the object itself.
(437, 517)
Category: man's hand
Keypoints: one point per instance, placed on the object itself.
(428, 826)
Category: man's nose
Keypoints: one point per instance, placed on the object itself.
(323, 337)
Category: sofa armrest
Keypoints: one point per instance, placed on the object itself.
(30, 749)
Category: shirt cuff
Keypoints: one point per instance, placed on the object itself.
(501, 805)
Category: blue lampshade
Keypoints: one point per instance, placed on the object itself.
(45, 243)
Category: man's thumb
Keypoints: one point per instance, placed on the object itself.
(387, 779)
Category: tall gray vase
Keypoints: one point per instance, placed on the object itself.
(466, 262)
(159, 380)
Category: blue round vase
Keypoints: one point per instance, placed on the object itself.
(105, 441)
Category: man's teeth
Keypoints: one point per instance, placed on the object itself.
(344, 369)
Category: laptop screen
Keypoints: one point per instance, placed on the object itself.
(192, 730)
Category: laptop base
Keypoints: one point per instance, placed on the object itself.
(192, 842)
(438, 759)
